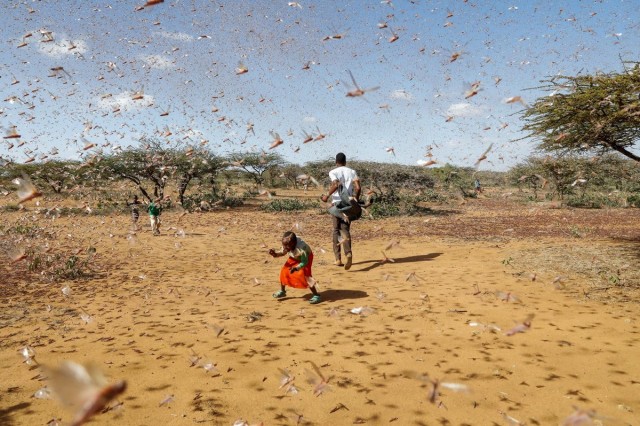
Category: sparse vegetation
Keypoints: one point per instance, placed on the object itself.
(288, 205)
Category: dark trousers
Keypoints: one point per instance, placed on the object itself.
(341, 228)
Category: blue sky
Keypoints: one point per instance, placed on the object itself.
(184, 56)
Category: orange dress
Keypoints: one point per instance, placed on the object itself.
(297, 279)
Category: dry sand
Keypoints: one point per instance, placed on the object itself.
(159, 305)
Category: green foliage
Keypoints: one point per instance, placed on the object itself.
(58, 266)
(404, 205)
(456, 178)
(52, 174)
(254, 164)
(634, 200)
(384, 209)
(432, 196)
(584, 113)
(226, 199)
(387, 180)
(287, 175)
(583, 180)
(288, 205)
(592, 201)
(156, 165)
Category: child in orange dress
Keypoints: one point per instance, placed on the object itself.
(297, 268)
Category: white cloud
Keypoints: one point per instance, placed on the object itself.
(310, 120)
(125, 102)
(157, 61)
(175, 36)
(464, 109)
(401, 94)
(61, 48)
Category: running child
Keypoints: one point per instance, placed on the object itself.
(297, 269)
(135, 211)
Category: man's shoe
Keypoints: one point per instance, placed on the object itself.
(347, 265)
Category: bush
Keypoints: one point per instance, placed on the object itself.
(404, 206)
(192, 201)
(634, 200)
(288, 205)
(433, 197)
(384, 209)
(231, 201)
(592, 201)
(59, 267)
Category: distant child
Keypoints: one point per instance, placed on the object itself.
(155, 209)
(135, 211)
(297, 268)
(477, 187)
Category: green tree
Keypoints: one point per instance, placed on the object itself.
(255, 164)
(460, 178)
(188, 165)
(54, 173)
(588, 113)
(387, 179)
(289, 173)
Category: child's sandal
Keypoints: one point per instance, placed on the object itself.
(280, 294)
(315, 300)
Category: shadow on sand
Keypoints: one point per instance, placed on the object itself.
(5, 413)
(408, 259)
(333, 295)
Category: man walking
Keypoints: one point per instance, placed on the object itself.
(345, 193)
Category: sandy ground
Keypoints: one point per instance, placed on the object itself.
(199, 295)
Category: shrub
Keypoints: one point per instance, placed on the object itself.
(592, 201)
(404, 206)
(384, 209)
(192, 201)
(288, 205)
(634, 200)
(59, 266)
(433, 197)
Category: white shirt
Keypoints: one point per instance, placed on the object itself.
(346, 177)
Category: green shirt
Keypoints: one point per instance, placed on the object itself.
(153, 209)
(300, 253)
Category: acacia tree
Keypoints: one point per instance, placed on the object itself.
(255, 164)
(386, 179)
(455, 177)
(537, 173)
(289, 173)
(189, 165)
(149, 163)
(54, 173)
(130, 165)
(588, 113)
(574, 174)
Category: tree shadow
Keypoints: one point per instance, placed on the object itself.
(408, 259)
(5, 413)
